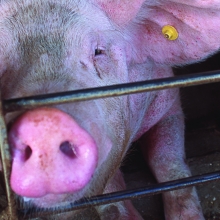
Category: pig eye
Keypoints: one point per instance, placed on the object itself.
(98, 52)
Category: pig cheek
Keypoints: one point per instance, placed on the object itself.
(104, 142)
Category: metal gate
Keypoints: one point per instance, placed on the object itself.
(12, 212)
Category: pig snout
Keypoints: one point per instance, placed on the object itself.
(51, 153)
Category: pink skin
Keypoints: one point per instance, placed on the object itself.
(95, 43)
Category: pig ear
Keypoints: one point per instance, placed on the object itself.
(120, 11)
(171, 32)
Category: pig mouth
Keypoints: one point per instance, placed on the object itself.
(53, 158)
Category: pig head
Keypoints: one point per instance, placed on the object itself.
(65, 152)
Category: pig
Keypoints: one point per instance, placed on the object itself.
(64, 152)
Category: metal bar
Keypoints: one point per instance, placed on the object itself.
(103, 92)
(10, 211)
(110, 91)
(124, 195)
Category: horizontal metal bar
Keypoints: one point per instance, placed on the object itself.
(110, 91)
(124, 195)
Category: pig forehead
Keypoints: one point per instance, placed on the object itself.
(53, 14)
(43, 24)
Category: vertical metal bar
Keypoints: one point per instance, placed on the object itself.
(10, 212)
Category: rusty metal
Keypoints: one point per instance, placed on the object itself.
(110, 91)
(10, 212)
(124, 195)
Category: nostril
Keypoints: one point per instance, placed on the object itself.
(68, 149)
(22, 154)
(27, 153)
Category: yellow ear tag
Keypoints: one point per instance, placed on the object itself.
(170, 32)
